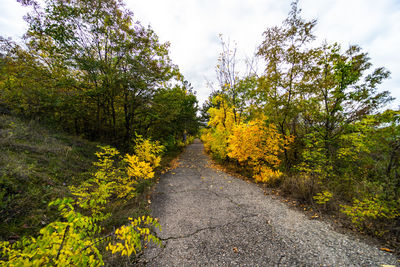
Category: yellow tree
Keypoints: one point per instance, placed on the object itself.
(222, 120)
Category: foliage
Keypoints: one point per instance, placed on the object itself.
(266, 175)
(148, 151)
(323, 198)
(370, 208)
(315, 120)
(222, 122)
(257, 145)
(131, 236)
(88, 67)
(172, 115)
(254, 143)
(59, 243)
(75, 240)
(37, 165)
(328, 99)
(117, 178)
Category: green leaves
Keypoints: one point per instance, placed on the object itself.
(89, 68)
(75, 240)
(329, 100)
(370, 208)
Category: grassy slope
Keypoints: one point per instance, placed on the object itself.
(36, 166)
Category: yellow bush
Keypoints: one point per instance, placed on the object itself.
(138, 169)
(221, 116)
(222, 120)
(129, 243)
(75, 241)
(264, 174)
(255, 144)
(148, 151)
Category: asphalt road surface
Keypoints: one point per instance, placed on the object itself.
(210, 218)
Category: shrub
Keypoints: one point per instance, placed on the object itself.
(370, 208)
(76, 239)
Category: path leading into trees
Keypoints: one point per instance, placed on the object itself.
(209, 218)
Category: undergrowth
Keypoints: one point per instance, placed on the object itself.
(40, 165)
(36, 166)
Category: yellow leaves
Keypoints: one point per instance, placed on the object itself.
(129, 236)
(115, 179)
(138, 169)
(323, 198)
(59, 244)
(148, 151)
(264, 174)
(216, 141)
(73, 242)
(252, 144)
(258, 145)
(222, 121)
(105, 157)
(221, 116)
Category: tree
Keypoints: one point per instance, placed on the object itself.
(99, 64)
(286, 75)
(341, 95)
(172, 114)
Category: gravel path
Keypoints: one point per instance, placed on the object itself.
(210, 218)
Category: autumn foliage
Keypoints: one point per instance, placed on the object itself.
(258, 145)
(252, 144)
(76, 240)
(314, 123)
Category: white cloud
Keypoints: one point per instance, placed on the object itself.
(374, 25)
(192, 27)
(11, 22)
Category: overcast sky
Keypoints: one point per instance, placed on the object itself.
(192, 27)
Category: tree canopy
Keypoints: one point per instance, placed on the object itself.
(88, 66)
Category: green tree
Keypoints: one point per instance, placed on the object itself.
(172, 114)
(287, 73)
(118, 63)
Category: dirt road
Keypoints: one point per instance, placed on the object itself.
(210, 218)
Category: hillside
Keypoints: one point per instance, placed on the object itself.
(36, 166)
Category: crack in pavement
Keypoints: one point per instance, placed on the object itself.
(208, 228)
(223, 196)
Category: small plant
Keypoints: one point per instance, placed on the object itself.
(266, 175)
(130, 236)
(370, 208)
(148, 151)
(323, 198)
